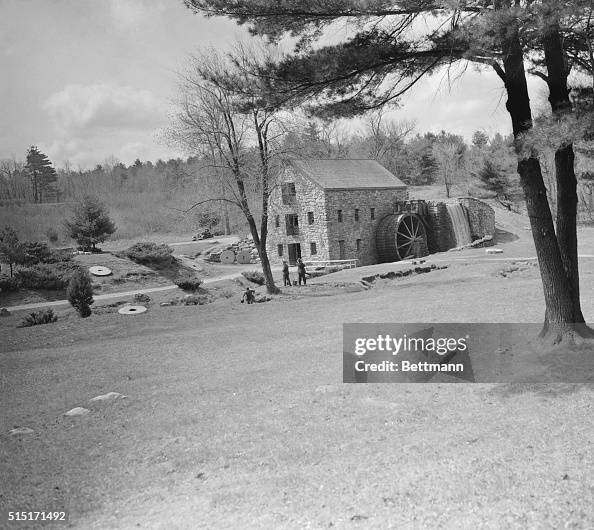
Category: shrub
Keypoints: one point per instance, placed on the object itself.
(11, 249)
(141, 298)
(8, 284)
(80, 292)
(44, 316)
(60, 254)
(52, 235)
(188, 282)
(46, 275)
(208, 219)
(255, 277)
(150, 253)
(90, 224)
(35, 252)
(195, 300)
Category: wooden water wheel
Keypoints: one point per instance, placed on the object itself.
(401, 236)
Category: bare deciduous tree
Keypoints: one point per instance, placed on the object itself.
(223, 117)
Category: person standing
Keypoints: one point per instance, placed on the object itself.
(286, 277)
(301, 271)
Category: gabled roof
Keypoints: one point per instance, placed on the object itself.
(347, 174)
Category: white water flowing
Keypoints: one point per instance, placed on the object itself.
(460, 224)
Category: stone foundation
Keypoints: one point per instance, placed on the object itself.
(481, 217)
(440, 232)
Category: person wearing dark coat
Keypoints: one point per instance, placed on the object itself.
(286, 277)
(301, 271)
(249, 296)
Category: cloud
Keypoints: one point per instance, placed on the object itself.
(126, 146)
(93, 122)
(85, 109)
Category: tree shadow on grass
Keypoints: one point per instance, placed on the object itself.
(510, 390)
(560, 371)
(172, 270)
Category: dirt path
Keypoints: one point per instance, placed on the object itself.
(230, 276)
(122, 294)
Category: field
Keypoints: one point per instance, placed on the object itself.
(143, 214)
(134, 218)
(235, 416)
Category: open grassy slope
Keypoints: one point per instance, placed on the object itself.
(236, 416)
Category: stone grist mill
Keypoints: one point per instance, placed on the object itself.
(357, 211)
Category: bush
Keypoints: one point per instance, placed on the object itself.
(60, 254)
(35, 252)
(141, 298)
(90, 224)
(44, 316)
(188, 282)
(255, 277)
(150, 254)
(53, 276)
(195, 300)
(8, 284)
(80, 292)
(208, 219)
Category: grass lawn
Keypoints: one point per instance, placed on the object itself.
(236, 416)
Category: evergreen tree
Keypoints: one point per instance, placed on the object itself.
(428, 168)
(492, 179)
(41, 173)
(80, 292)
(11, 249)
(90, 224)
(480, 139)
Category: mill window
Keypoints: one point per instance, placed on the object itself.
(288, 192)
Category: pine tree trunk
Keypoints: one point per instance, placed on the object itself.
(559, 317)
(567, 199)
(557, 291)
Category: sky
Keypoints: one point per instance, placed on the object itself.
(88, 80)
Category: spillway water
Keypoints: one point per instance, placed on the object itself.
(459, 223)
